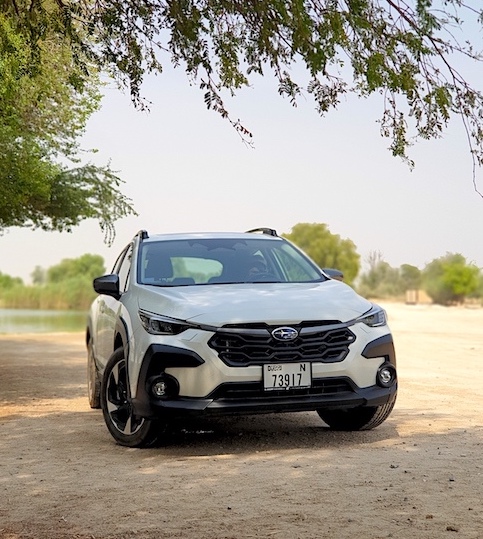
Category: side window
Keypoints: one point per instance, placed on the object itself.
(124, 269)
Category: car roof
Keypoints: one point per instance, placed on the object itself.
(209, 235)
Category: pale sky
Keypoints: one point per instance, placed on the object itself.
(187, 170)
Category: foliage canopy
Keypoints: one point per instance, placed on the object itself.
(45, 101)
(449, 279)
(411, 52)
(87, 266)
(327, 250)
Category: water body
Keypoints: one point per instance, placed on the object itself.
(38, 321)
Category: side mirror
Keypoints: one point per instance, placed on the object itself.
(108, 285)
(334, 273)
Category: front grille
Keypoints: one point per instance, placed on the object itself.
(254, 390)
(326, 342)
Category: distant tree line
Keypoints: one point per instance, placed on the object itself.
(67, 285)
(447, 280)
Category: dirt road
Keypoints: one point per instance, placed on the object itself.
(419, 475)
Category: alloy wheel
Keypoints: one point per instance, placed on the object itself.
(119, 407)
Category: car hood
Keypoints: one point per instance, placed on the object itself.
(273, 303)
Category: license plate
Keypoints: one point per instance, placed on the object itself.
(279, 376)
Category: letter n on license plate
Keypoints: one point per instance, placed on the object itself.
(279, 376)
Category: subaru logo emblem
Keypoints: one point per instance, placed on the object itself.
(285, 334)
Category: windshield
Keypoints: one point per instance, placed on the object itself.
(223, 261)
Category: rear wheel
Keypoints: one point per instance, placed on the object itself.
(125, 427)
(365, 418)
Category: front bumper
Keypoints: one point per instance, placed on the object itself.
(337, 389)
(249, 398)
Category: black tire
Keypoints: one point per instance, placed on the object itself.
(93, 379)
(125, 427)
(363, 418)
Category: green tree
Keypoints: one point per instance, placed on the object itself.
(380, 280)
(39, 275)
(8, 286)
(86, 267)
(326, 249)
(7, 282)
(478, 293)
(410, 276)
(45, 101)
(67, 285)
(450, 279)
(409, 53)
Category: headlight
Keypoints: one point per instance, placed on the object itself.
(162, 325)
(375, 317)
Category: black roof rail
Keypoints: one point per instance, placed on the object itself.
(264, 230)
(143, 235)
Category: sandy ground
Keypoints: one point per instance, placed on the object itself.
(419, 475)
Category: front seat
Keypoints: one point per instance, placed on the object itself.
(158, 269)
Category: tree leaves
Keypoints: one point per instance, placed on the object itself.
(326, 249)
(43, 111)
(449, 279)
(409, 53)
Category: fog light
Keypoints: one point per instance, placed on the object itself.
(159, 389)
(386, 375)
(163, 386)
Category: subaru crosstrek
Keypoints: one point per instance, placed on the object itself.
(232, 323)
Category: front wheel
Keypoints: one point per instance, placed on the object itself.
(363, 418)
(125, 427)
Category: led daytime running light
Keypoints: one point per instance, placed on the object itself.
(157, 325)
(376, 317)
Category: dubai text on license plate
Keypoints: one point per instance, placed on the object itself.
(279, 376)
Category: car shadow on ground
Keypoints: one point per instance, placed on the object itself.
(246, 434)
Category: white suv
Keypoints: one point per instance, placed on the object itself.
(232, 323)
